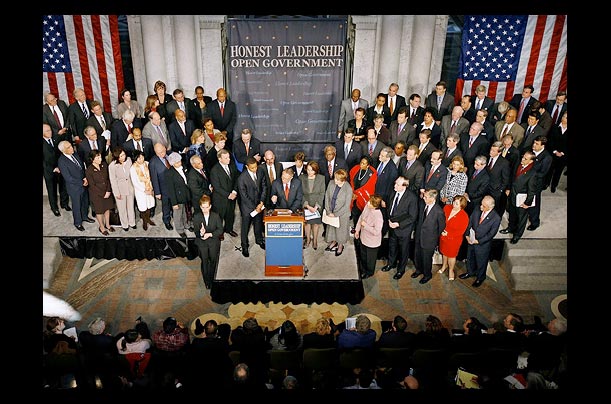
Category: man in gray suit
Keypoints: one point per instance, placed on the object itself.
(157, 131)
(347, 109)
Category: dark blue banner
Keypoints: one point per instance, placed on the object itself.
(286, 78)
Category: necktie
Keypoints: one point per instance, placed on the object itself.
(201, 171)
(346, 150)
(85, 112)
(330, 168)
(380, 168)
(505, 130)
(271, 174)
(409, 163)
(138, 146)
(555, 116)
(286, 192)
(521, 110)
(392, 106)
(371, 150)
(129, 128)
(481, 219)
(478, 104)
(50, 142)
(395, 203)
(94, 146)
(254, 177)
(412, 115)
(453, 127)
(471, 139)
(160, 133)
(529, 131)
(439, 101)
(430, 174)
(74, 160)
(246, 145)
(102, 123)
(227, 170)
(222, 109)
(182, 106)
(57, 117)
(475, 174)
(448, 153)
(504, 152)
(167, 164)
(490, 164)
(426, 210)
(399, 129)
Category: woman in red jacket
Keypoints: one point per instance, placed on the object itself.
(452, 237)
(363, 179)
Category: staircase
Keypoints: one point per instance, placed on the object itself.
(537, 264)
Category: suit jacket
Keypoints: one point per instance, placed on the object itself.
(370, 113)
(263, 172)
(239, 149)
(251, 192)
(147, 148)
(484, 231)
(178, 191)
(73, 175)
(417, 118)
(93, 121)
(415, 174)
(549, 107)
(529, 138)
(400, 102)
(223, 184)
(469, 115)
(425, 155)
(499, 177)
(84, 148)
(516, 131)
(386, 180)
(462, 126)
(437, 180)
(526, 183)
(446, 104)
(50, 155)
(199, 185)
(179, 139)
(383, 134)
(172, 106)
(118, 133)
(447, 160)
(214, 226)
(407, 134)
(435, 135)
(488, 132)
(375, 156)
(487, 104)
(337, 164)
(157, 170)
(346, 113)
(49, 118)
(406, 213)
(295, 200)
(195, 112)
(558, 141)
(477, 187)
(120, 179)
(226, 121)
(545, 122)
(428, 230)
(543, 163)
(354, 154)
(76, 118)
(515, 102)
(150, 132)
(513, 157)
(480, 147)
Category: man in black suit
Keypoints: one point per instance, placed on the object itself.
(180, 133)
(402, 216)
(333, 162)
(50, 171)
(251, 189)
(198, 181)
(435, 174)
(247, 146)
(78, 113)
(556, 108)
(532, 129)
(137, 142)
(178, 194)
(499, 174)
(373, 146)
(394, 101)
(523, 103)
(158, 165)
(451, 149)
(412, 169)
(397, 336)
(287, 192)
(558, 145)
(223, 178)
(387, 174)
(524, 184)
(473, 144)
(543, 163)
(431, 222)
(488, 128)
(99, 119)
(484, 222)
(179, 102)
(122, 128)
(400, 129)
(480, 101)
(440, 101)
(269, 171)
(415, 112)
(425, 146)
(91, 141)
(208, 228)
(353, 149)
(467, 106)
(224, 114)
(198, 107)
(73, 171)
(477, 185)
(59, 123)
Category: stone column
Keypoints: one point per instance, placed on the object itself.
(211, 58)
(366, 55)
(185, 54)
(136, 44)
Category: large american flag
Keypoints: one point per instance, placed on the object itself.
(507, 52)
(82, 51)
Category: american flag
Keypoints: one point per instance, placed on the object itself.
(507, 52)
(82, 51)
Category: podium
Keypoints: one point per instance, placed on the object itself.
(283, 243)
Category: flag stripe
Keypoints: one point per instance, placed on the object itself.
(79, 32)
(116, 59)
(102, 82)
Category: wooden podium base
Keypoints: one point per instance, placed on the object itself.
(278, 270)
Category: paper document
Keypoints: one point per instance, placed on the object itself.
(472, 235)
(350, 323)
(520, 198)
(466, 379)
(311, 215)
(71, 332)
(330, 220)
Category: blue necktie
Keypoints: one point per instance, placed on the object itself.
(380, 168)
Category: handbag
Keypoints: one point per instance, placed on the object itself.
(437, 257)
(114, 217)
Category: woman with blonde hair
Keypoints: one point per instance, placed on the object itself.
(321, 337)
(369, 232)
(456, 182)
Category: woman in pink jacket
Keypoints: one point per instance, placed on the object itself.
(369, 233)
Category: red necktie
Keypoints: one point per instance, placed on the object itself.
(330, 169)
(453, 127)
(521, 110)
(222, 110)
(471, 139)
(412, 115)
(481, 219)
(490, 164)
(286, 192)
(555, 117)
(129, 128)
(391, 107)
(138, 145)
(57, 117)
(165, 160)
(430, 174)
(370, 150)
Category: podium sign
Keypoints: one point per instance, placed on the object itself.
(283, 245)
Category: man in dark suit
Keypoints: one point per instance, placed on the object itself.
(137, 142)
(387, 174)
(332, 163)
(556, 108)
(223, 178)
(73, 171)
(425, 146)
(178, 194)
(287, 192)
(523, 103)
(480, 101)
(353, 149)
(412, 169)
(379, 108)
(122, 128)
(402, 216)
(394, 101)
(435, 174)
(247, 146)
(488, 128)
(400, 129)
(347, 108)
(397, 336)
(208, 228)
(373, 147)
(543, 163)
(158, 165)
(224, 114)
(532, 129)
(477, 185)
(251, 189)
(198, 107)
(91, 141)
(485, 223)
(473, 144)
(466, 105)
(415, 112)
(198, 181)
(179, 102)
(59, 124)
(100, 119)
(558, 145)
(180, 131)
(451, 149)
(269, 171)
(525, 184)
(440, 100)
(499, 174)
(50, 171)
(78, 113)
(431, 222)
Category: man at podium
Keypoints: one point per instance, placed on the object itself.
(287, 192)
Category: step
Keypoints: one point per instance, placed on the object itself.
(553, 264)
(540, 282)
(539, 269)
(544, 247)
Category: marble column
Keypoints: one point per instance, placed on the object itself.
(211, 67)
(366, 55)
(185, 54)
